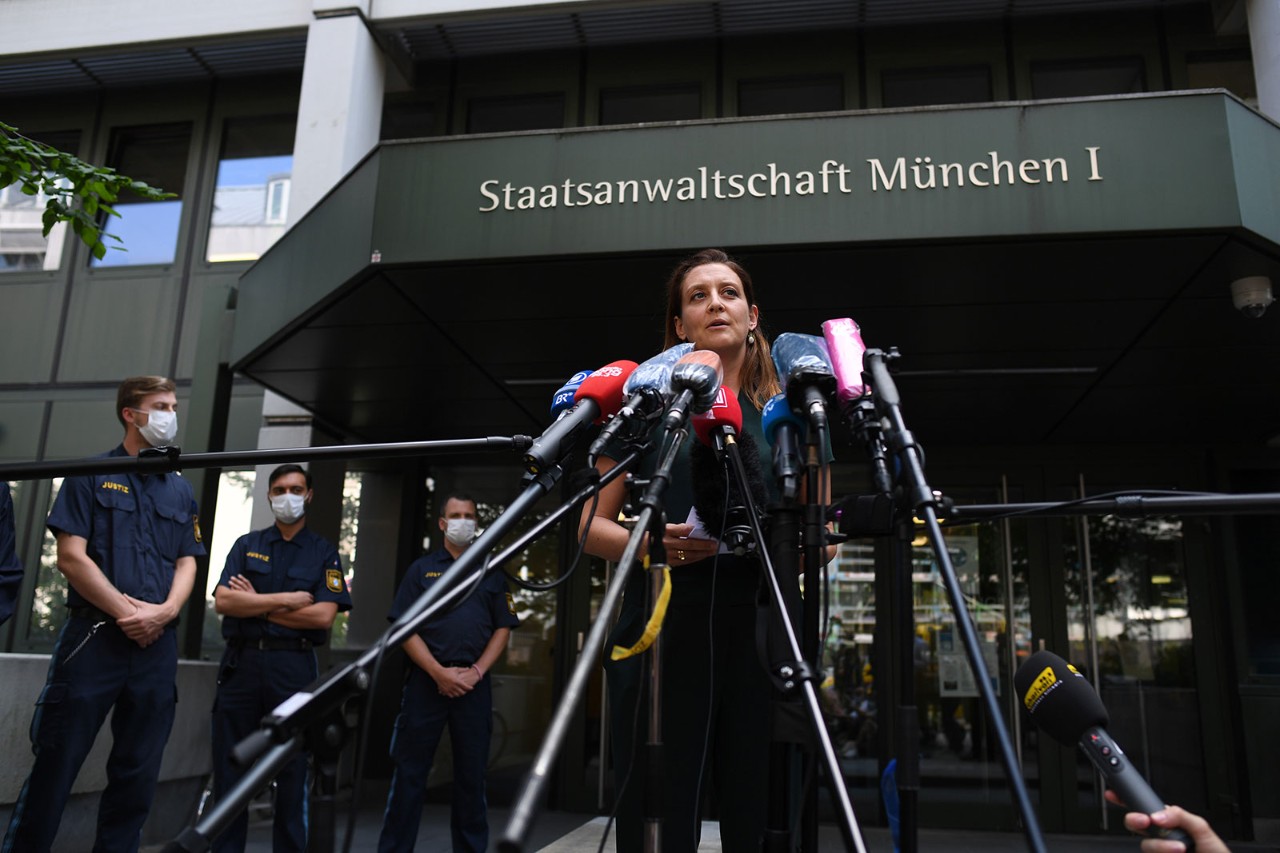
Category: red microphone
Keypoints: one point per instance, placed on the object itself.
(724, 416)
(598, 397)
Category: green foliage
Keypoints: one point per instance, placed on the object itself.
(77, 191)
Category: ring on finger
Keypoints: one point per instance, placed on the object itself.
(680, 555)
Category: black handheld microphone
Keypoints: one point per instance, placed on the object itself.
(695, 381)
(1066, 706)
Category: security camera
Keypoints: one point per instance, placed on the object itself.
(1251, 295)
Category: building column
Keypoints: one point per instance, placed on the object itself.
(340, 108)
(1264, 39)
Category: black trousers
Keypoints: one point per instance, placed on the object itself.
(716, 712)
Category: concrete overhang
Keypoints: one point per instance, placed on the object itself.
(1051, 271)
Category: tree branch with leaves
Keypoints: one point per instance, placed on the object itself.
(77, 192)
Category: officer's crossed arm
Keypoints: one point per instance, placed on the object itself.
(318, 615)
(239, 599)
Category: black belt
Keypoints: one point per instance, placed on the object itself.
(297, 644)
(460, 664)
(91, 613)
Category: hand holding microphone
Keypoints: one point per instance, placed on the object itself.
(1068, 709)
(1171, 817)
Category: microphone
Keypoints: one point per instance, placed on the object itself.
(563, 397)
(647, 391)
(599, 396)
(718, 499)
(722, 418)
(804, 367)
(845, 346)
(695, 379)
(783, 430)
(1065, 705)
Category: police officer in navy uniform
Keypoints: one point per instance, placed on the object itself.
(278, 595)
(447, 684)
(127, 544)
(10, 568)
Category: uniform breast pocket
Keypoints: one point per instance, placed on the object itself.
(119, 518)
(176, 526)
(302, 577)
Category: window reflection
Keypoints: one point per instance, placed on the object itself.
(48, 605)
(1129, 628)
(147, 230)
(251, 195)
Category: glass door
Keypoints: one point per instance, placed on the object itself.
(1129, 629)
(962, 780)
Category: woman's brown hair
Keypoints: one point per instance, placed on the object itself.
(759, 379)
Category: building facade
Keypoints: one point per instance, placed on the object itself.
(403, 221)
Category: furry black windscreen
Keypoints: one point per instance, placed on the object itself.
(710, 479)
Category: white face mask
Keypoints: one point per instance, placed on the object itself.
(288, 508)
(460, 531)
(161, 428)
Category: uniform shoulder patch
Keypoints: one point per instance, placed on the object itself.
(195, 526)
(333, 580)
(511, 604)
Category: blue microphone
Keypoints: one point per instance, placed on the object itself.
(804, 368)
(784, 430)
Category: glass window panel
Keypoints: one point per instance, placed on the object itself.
(48, 604)
(790, 95)
(148, 230)
(918, 87)
(1086, 77)
(251, 194)
(1224, 70)
(1129, 628)
(408, 120)
(352, 486)
(232, 519)
(505, 115)
(23, 246)
(637, 104)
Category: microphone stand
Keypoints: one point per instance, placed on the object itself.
(314, 717)
(784, 551)
(1133, 505)
(814, 542)
(922, 501)
(796, 673)
(530, 796)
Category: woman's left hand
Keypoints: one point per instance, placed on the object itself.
(681, 549)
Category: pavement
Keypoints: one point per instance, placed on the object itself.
(568, 832)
